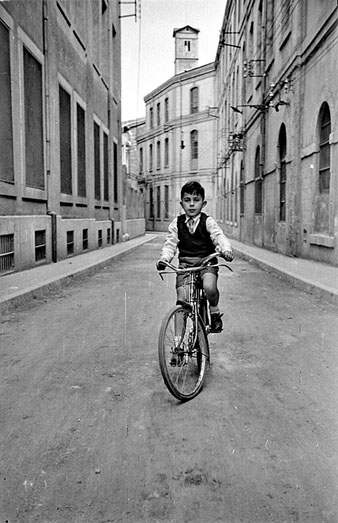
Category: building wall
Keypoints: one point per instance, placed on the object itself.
(72, 50)
(164, 181)
(294, 72)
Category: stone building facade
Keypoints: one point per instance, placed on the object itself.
(277, 92)
(60, 146)
(177, 143)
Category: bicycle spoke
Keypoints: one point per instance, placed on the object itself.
(183, 354)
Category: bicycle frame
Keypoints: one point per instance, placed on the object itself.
(195, 291)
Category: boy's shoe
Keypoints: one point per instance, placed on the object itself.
(216, 322)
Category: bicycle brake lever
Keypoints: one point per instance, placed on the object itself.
(160, 275)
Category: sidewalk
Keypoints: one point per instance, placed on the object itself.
(21, 287)
(313, 277)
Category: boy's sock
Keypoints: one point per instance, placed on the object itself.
(214, 310)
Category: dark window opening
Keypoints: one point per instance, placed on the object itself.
(6, 128)
(70, 243)
(97, 169)
(81, 152)
(34, 155)
(40, 245)
(65, 142)
(84, 239)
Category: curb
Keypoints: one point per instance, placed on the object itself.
(302, 284)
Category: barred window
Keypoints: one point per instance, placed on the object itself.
(40, 245)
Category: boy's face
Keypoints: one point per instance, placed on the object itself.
(192, 204)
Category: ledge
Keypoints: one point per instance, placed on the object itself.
(322, 239)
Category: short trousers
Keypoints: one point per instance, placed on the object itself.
(182, 279)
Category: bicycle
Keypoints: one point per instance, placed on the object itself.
(183, 347)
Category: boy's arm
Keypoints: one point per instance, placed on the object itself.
(171, 242)
(219, 239)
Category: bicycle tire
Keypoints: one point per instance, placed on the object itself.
(186, 377)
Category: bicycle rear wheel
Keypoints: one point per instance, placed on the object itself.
(183, 363)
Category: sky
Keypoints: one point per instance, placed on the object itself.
(148, 44)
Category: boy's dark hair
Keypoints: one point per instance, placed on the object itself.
(191, 188)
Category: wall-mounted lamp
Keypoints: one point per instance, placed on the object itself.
(260, 107)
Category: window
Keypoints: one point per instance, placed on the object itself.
(6, 253)
(166, 201)
(324, 150)
(70, 242)
(158, 155)
(40, 245)
(105, 168)
(285, 14)
(194, 100)
(81, 151)
(282, 174)
(158, 201)
(258, 183)
(323, 214)
(34, 156)
(166, 152)
(194, 145)
(151, 203)
(99, 238)
(84, 239)
(187, 46)
(108, 236)
(65, 142)
(141, 160)
(166, 110)
(116, 185)
(6, 130)
(242, 189)
(97, 170)
(151, 117)
(158, 114)
(151, 157)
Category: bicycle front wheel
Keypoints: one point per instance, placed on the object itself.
(183, 357)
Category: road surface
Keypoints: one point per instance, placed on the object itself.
(89, 433)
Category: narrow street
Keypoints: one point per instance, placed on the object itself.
(90, 434)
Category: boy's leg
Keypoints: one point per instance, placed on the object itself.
(212, 294)
(211, 290)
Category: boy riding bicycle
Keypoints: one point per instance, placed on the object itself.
(196, 235)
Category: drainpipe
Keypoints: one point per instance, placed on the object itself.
(50, 213)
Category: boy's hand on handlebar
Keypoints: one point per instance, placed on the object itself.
(160, 266)
(228, 256)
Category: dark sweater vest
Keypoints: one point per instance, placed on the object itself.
(199, 243)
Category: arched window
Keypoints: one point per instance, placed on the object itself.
(322, 190)
(324, 149)
(194, 145)
(158, 155)
(258, 183)
(194, 100)
(282, 173)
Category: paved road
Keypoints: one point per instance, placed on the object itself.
(91, 435)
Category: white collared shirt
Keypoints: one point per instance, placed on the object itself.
(218, 238)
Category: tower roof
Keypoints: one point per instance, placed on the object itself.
(185, 28)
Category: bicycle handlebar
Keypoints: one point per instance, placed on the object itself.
(203, 265)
